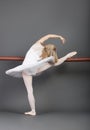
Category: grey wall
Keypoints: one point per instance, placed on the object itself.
(22, 22)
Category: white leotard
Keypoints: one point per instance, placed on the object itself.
(32, 62)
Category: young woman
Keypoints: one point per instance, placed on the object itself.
(39, 58)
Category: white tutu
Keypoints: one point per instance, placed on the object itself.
(31, 63)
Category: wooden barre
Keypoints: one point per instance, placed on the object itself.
(12, 58)
(18, 58)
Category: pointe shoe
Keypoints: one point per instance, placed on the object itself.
(32, 113)
(71, 54)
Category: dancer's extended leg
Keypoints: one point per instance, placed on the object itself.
(69, 55)
(28, 83)
(60, 61)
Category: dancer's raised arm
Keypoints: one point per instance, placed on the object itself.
(41, 40)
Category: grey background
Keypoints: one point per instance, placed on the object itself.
(65, 89)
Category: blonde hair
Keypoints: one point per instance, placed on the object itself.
(49, 50)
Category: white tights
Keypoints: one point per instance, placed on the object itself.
(28, 82)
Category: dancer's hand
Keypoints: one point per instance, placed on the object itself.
(63, 40)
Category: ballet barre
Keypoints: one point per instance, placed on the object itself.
(19, 58)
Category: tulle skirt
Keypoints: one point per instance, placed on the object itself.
(29, 69)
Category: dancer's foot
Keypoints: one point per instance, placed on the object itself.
(69, 55)
(32, 113)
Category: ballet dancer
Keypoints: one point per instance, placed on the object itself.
(39, 58)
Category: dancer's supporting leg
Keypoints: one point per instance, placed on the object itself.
(28, 83)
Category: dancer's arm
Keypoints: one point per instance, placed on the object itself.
(41, 40)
